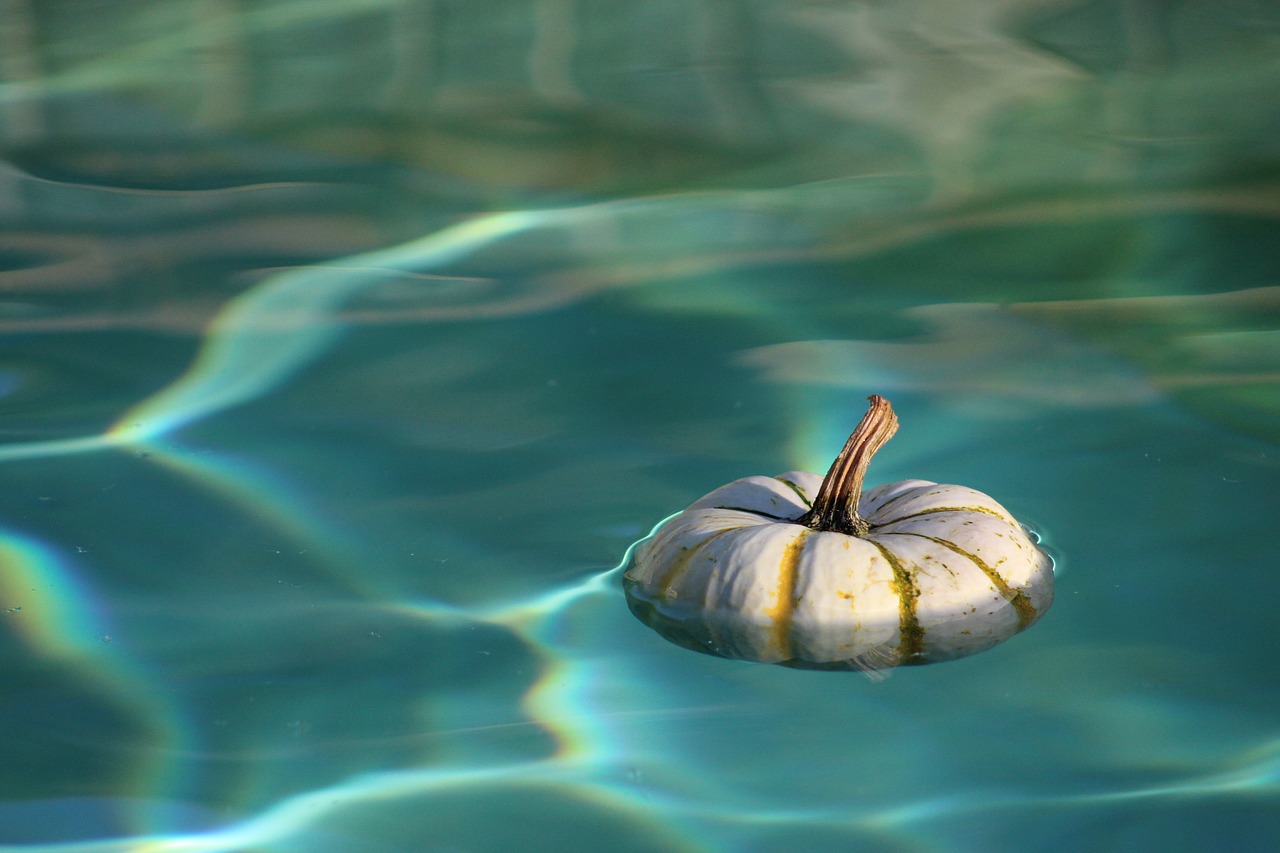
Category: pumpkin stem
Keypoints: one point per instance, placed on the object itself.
(835, 507)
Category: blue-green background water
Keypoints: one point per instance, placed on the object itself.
(348, 346)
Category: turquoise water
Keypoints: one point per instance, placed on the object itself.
(348, 347)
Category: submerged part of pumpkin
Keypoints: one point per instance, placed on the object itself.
(911, 572)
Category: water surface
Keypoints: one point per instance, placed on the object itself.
(348, 347)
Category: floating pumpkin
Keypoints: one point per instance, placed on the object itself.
(809, 572)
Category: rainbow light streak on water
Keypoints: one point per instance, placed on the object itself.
(258, 341)
(316, 816)
(56, 615)
(555, 701)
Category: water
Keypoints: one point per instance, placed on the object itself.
(348, 348)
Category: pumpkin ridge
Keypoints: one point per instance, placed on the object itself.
(795, 487)
(785, 604)
(682, 562)
(910, 634)
(899, 496)
(1017, 598)
(754, 512)
(935, 509)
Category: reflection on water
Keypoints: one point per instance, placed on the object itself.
(347, 344)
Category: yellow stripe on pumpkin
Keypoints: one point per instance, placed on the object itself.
(784, 603)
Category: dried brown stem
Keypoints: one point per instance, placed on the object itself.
(835, 507)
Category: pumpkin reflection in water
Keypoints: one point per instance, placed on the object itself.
(809, 572)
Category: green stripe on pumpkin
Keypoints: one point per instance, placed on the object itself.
(758, 512)
(795, 488)
(910, 634)
(1017, 598)
(937, 509)
(899, 496)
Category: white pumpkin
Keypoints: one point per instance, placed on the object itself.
(808, 572)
